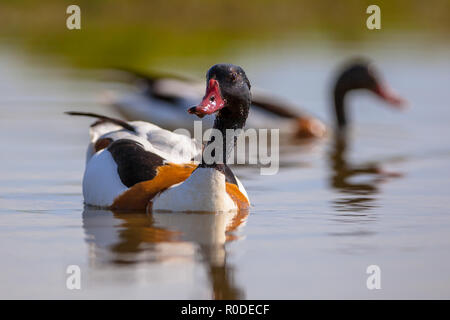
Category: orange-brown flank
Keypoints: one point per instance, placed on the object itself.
(237, 196)
(138, 196)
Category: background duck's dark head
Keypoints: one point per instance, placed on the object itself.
(361, 74)
(227, 92)
(358, 74)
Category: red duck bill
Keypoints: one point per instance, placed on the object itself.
(212, 101)
(388, 95)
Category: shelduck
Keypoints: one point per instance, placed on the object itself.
(359, 74)
(139, 166)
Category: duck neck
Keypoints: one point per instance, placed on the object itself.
(226, 120)
(339, 107)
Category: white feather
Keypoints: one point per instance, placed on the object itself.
(99, 130)
(173, 147)
(101, 181)
(203, 191)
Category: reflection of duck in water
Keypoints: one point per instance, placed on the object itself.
(359, 195)
(133, 238)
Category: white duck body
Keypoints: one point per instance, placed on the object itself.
(145, 167)
(203, 181)
(104, 186)
(101, 181)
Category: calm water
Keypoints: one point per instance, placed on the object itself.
(313, 228)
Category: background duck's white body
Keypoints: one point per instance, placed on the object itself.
(138, 104)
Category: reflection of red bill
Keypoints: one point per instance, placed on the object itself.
(388, 95)
(212, 101)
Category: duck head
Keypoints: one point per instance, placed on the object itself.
(227, 94)
(361, 74)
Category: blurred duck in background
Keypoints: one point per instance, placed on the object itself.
(360, 74)
(356, 191)
(163, 99)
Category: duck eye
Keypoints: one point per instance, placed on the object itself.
(233, 76)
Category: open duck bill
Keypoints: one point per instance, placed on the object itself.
(388, 95)
(212, 101)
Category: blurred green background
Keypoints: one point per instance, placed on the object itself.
(143, 34)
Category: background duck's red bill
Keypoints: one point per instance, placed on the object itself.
(212, 101)
(388, 95)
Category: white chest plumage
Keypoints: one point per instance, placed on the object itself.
(204, 190)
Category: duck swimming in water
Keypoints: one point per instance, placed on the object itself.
(139, 166)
